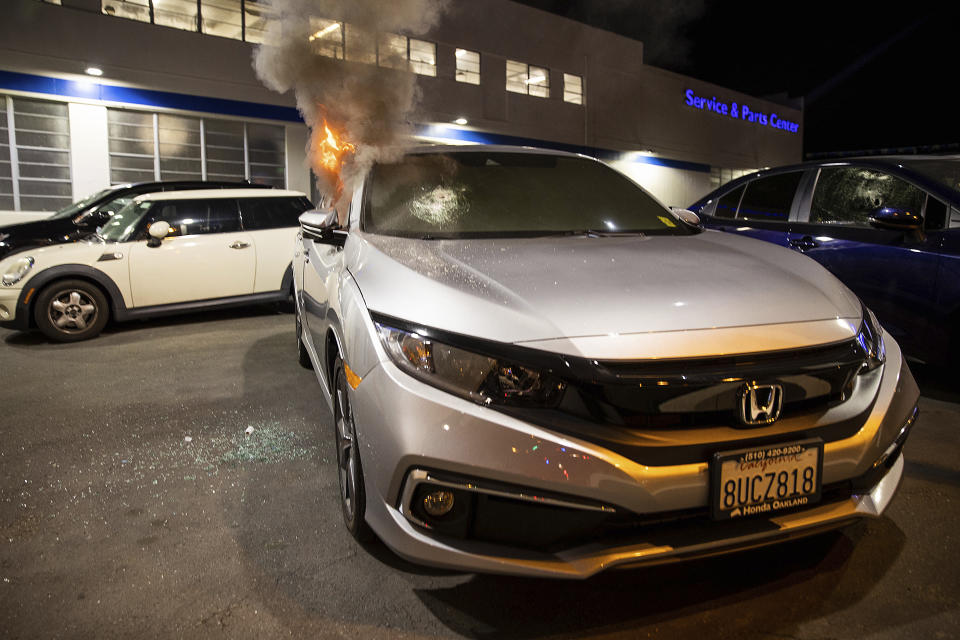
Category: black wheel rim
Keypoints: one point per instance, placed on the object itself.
(346, 451)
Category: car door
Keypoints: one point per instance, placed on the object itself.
(893, 272)
(206, 255)
(274, 222)
(761, 208)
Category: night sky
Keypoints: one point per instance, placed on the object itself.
(872, 75)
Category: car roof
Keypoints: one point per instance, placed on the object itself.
(893, 164)
(211, 194)
(191, 184)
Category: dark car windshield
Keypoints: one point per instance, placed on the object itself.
(79, 206)
(944, 171)
(487, 194)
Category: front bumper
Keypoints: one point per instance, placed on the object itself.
(405, 426)
(9, 297)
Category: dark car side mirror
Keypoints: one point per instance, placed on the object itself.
(895, 220)
(323, 226)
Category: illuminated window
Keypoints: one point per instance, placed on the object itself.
(222, 18)
(256, 13)
(179, 14)
(130, 9)
(525, 78)
(423, 57)
(468, 66)
(572, 89)
(327, 37)
(147, 146)
(361, 44)
(34, 155)
(407, 54)
(392, 51)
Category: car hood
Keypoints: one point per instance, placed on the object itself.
(542, 289)
(38, 233)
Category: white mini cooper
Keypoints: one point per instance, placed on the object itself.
(163, 253)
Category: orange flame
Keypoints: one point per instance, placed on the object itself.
(330, 154)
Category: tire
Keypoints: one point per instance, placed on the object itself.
(71, 310)
(302, 356)
(353, 497)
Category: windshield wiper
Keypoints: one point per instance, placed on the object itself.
(593, 233)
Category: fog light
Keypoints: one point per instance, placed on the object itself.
(4, 312)
(438, 503)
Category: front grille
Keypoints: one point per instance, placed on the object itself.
(704, 391)
(683, 411)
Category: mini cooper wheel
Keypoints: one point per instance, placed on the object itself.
(71, 310)
(302, 356)
(353, 499)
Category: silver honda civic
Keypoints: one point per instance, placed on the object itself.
(535, 368)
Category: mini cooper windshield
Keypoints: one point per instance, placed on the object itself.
(490, 194)
(124, 223)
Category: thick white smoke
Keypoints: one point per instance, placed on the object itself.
(369, 105)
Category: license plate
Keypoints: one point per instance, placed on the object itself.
(762, 480)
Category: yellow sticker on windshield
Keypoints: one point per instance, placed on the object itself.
(667, 221)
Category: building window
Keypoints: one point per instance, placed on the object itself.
(223, 18)
(407, 54)
(179, 14)
(148, 146)
(361, 44)
(180, 145)
(327, 37)
(525, 78)
(130, 137)
(256, 14)
(224, 147)
(423, 57)
(572, 88)
(266, 154)
(130, 9)
(34, 155)
(468, 66)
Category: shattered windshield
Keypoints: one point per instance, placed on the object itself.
(946, 171)
(488, 194)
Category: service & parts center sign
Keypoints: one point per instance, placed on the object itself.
(739, 112)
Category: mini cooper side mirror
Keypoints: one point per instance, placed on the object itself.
(688, 217)
(895, 220)
(158, 231)
(323, 226)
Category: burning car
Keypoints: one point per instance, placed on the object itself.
(535, 368)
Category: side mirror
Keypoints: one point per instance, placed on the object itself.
(158, 231)
(323, 226)
(689, 217)
(895, 220)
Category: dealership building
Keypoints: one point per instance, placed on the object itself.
(100, 92)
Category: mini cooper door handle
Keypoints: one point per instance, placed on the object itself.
(239, 244)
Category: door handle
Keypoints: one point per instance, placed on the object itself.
(239, 244)
(804, 243)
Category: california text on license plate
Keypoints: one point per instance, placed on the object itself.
(761, 480)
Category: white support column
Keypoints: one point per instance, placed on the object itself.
(203, 149)
(89, 149)
(246, 154)
(14, 158)
(156, 147)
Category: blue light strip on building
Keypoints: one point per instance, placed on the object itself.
(89, 90)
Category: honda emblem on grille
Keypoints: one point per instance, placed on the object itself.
(760, 403)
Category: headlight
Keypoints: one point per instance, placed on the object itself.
(474, 376)
(870, 338)
(17, 269)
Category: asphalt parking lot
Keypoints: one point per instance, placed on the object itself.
(134, 504)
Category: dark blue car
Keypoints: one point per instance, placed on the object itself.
(888, 227)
